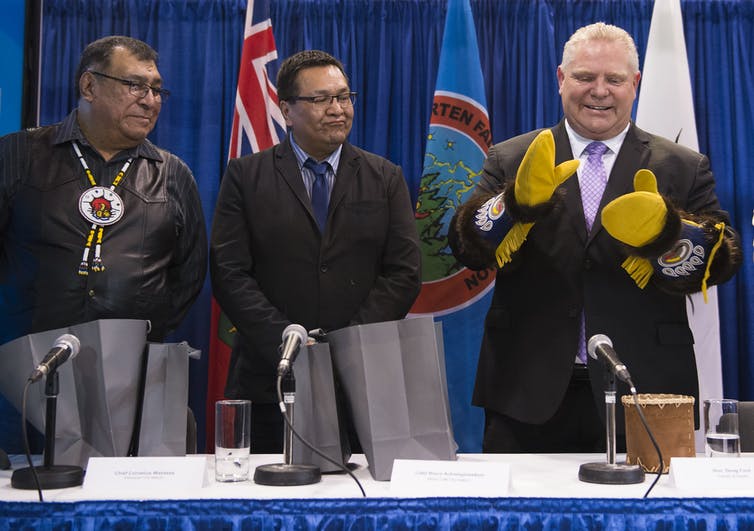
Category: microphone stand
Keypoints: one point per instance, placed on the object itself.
(50, 476)
(610, 472)
(287, 473)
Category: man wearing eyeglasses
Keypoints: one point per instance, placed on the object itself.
(313, 231)
(96, 221)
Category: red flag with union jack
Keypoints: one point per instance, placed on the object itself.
(257, 125)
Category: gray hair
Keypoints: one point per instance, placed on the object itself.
(605, 32)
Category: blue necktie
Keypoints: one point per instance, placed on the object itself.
(320, 197)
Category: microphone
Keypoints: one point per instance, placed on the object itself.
(293, 336)
(610, 472)
(600, 346)
(65, 347)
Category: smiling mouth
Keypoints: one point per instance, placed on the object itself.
(597, 107)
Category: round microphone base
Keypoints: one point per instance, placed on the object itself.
(50, 477)
(281, 474)
(611, 474)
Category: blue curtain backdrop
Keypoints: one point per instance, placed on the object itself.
(391, 50)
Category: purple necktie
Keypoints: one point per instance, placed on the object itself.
(320, 197)
(592, 182)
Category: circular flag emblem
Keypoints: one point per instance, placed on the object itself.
(457, 142)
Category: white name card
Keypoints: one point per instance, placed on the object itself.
(695, 473)
(107, 476)
(414, 478)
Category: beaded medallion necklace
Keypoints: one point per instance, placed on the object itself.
(102, 207)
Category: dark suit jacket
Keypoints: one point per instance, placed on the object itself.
(531, 331)
(270, 265)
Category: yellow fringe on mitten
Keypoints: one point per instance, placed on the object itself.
(512, 242)
(721, 227)
(640, 269)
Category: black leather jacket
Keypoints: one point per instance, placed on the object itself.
(155, 256)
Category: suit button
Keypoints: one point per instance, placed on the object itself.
(587, 264)
(91, 293)
(323, 268)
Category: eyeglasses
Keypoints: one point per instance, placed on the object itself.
(325, 100)
(137, 88)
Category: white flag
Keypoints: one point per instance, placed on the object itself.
(666, 108)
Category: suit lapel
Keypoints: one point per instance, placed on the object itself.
(571, 186)
(288, 170)
(348, 169)
(632, 156)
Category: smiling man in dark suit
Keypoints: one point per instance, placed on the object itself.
(564, 274)
(313, 231)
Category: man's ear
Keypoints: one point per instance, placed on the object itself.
(86, 86)
(561, 78)
(637, 78)
(285, 109)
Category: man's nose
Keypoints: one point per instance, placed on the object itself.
(600, 88)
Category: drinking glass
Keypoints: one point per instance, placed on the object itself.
(721, 428)
(232, 439)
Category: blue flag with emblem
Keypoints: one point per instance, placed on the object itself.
(457, 143)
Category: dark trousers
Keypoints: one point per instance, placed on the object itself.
(266, 429)
(575, 427)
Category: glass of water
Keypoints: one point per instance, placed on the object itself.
(721, 428)
(232, 440)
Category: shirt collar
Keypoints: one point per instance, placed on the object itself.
(69, 130)
(301, 155)
(579, 143)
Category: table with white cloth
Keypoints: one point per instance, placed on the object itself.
(544, 492)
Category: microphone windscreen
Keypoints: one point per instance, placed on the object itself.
(296, 329)
(68, 341)
(595, 341)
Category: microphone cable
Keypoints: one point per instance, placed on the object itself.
(281, 405)
(27, 446)
(651, 438)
